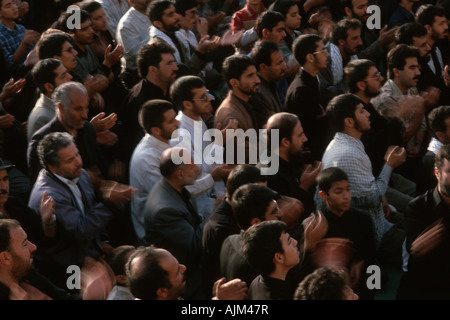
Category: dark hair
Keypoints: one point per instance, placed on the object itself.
(251, 201)
(152, 112)
(341, 28)
(51, 45)
(426, 13)
(156, 9)
(44, 72)
(436, 119)
(235, 65)
(181, 89)
(117, 258)
(328, 176)
(304, 45)
(50, 145)
(356, 71)
(443, 153)
(262, 52)
(5, 235)
(148, 276)
(243, 174)
(62, 21)
(150, 55)
(282, 6)
(397, 56)
(181, 6)
(284, 122)
(407, 31)
(324, 283)
(341, 107)
(268, 20)
(260, 244)
(90, 6)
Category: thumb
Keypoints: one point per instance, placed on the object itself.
(204, 38)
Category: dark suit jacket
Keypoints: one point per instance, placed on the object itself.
(170, 225)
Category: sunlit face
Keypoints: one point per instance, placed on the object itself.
(61, 75)
(170, 20)
(352, 45)
(77, 113)
(298, 139)
(338, 197)
(22, 252)
(249, 81)
(8, 10)
(293, 18)
(277, 68)
(167, 69)
(277, 34)
(409, 76)
(421, 43)
(99, 22)
(361, 121)
(290, 250)
(321, 56)
(201, 101)
(70, 163)
(175, 272)
(68, 56)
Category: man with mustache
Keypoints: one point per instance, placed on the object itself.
(399, 98)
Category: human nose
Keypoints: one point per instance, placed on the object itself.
(32, 246)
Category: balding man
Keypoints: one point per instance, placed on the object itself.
(171, 217)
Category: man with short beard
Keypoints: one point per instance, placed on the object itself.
(165, 22)
(427, 229)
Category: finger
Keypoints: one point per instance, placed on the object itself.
(98, 116)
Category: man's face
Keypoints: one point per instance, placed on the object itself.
(249, 81)
(77, 113)
(22, 252)
(439, 28)
(373, 83)
(352, 45)
(189, 19)
(421, 43)
(84, 35)
(443, 178)
(290, 250)
(277, 34)
(361, 121)
(8, 10)
(70, 163)
(170, 20)
(169, 125)
(298, 139)
(167, 69)
(68, 56)
(201, 101)
(339, 197)
(4, 187)
(360, 10)
(190, 172)
(446, 133)
(293, 18)
(176, 274)
(277, 69)
(99, 22)
(409, 76)
(321, 56)
(61, 76)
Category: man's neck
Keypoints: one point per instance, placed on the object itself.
(408, 5)
(344, 55)
(266, 77)
(444, 197)
(363, 97)
(175, 185)
(431, 41)
(311, 69)
(162, 139)
(160, 84)
(352, 132)
(279, 273)
(81, 46)
(8, 23)
(283, 154)
(72, 131)
(191, 115)
(238, 93)
(335, 212)
(402, 88)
